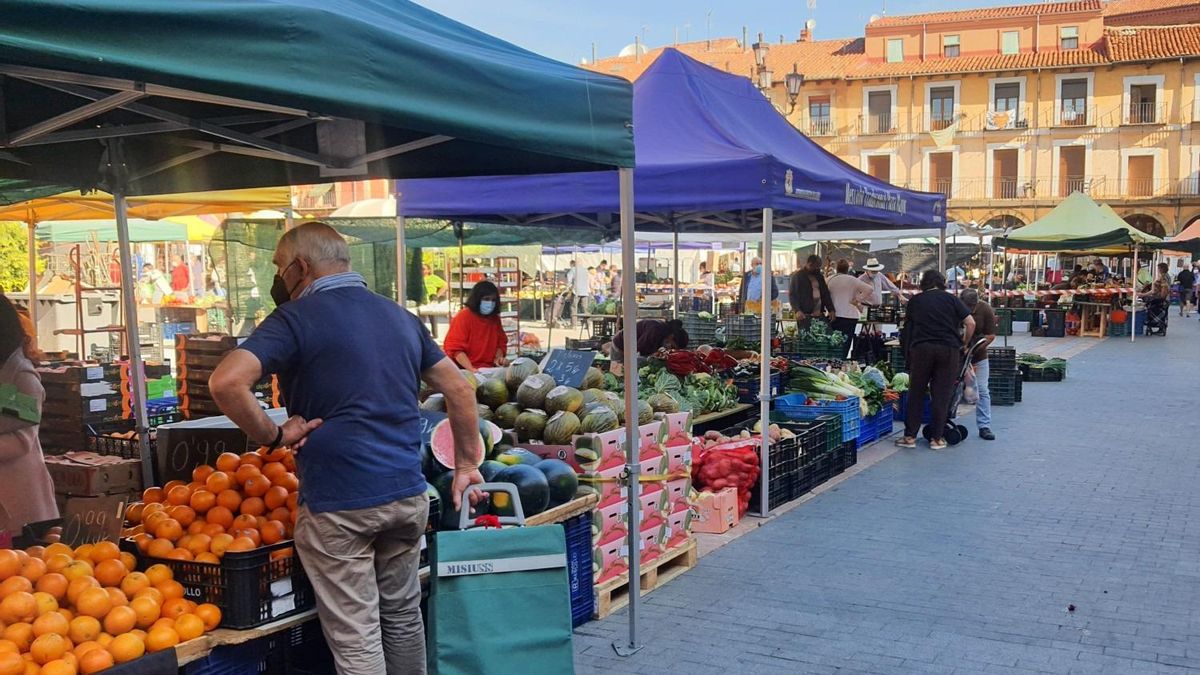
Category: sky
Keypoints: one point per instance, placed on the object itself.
(566, 29)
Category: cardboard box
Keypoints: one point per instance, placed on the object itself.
(679, 523)
(716, 512)
(74, 374)
(85, 410)
(86, 474)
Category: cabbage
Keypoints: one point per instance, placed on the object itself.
(900, 382)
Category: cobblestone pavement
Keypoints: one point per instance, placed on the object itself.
(966, 561)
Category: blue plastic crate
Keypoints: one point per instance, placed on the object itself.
(926, 413)
(748, 388)
(794, 407)
(884, 420)
(578, 531)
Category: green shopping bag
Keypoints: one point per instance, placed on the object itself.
(499, 599)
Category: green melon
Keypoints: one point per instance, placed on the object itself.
(484, 412)
(518, 371)
(563, 398)
(592, 396)
(470, 378)
(645, 412)
(593, 379)
(533, 489)
(560, 428)
(532, 392)
(664, 403)
(492, 392)
(564, 482)
(598, 420)
(435, 403)
(506, 415)
(530, 425)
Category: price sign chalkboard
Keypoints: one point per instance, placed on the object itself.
(429, 420)
(568, 366)
(182, 449)
(87, 520)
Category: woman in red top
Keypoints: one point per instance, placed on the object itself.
(476, 338)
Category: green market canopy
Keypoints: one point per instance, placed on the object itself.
(1077, 224)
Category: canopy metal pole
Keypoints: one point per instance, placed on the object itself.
(764, 369)
(401, 253)
(942, 250)
(33, 279)
(632, 445)
(1133, 303)
(555, 310)
(136, 370)
(675, 274)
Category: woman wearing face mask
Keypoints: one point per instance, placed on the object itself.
(476, 338)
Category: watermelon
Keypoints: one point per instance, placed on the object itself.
(431, 492)
(518, 371)
(490, 468)
(560, 428)
(592, 396)
(645, 412)
(563, 398)
(564, 483)
(598, 420)
(441, 441)
(530, 425)
(498, 449)
(532, 392)
(664, 403)
(470, 378)
(435, 403)
(492, 392)
(506, 415)
(514, 456)
(593, 379)
(484, 412)
(532, 487)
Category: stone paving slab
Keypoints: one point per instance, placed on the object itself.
(965, 561)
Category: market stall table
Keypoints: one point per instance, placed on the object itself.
(1093, 312)
(721, 419)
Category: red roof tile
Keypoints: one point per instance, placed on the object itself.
(818, 60)
(1121, 7)
(980, 64)
(1144, 43)
(983, 13)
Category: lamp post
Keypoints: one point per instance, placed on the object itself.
(793, 81)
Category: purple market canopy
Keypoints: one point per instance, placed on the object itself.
(711, 153)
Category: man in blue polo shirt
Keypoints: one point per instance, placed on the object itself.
(349, 364)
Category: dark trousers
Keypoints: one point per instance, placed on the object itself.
(934, 366)
(845, 327)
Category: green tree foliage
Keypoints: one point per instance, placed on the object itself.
(14, 257)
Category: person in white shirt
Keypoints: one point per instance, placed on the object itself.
(581, 286)
(849, 294)
(873, 274)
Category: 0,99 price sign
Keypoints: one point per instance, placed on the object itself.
(88, 520)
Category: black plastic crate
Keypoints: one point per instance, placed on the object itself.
(252, 588)
(592, 344)
(897, 361)
(1036, 374)
(1004, 322)
(815, 437)
(847, 456)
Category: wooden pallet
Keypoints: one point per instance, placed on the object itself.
(613, 594)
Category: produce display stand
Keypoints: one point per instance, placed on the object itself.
(613, 594)
(194, 650)
(1093, 312)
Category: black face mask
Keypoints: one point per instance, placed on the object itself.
(280, 293)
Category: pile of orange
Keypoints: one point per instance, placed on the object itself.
(67, 611)
(244, 502)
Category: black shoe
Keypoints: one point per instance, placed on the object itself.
(986, 434)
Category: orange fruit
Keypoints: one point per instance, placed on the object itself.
(158, 574)
(49, 647)
(128, 560)
(19, 607)
(121, 620)
(189, 627)
(171, 485)
(126, 648)
(244, 521)
(10, 563)
(33, 568)
(153, 495)
(174, 608)
(104, 640)
(52, 622)
(152, 507)
(134, 582)
(221, 515)
(180, 554)
(275, 455)
(256, 486)
(94, 602)
(94, 661)
(143, 541)
(275, 497)
(36, 551)
(162, 622)
(53, 583)
(281, 514)
(230, 499)
(57, 548)
(179, 495)
(118, 597)
(78, 586)
(153, 593)
(146, 611)
(57, 562)
(183, 513)
(220, 543)
(210, 614)
(110, 572)
(84, 647)
(228, 462)
(183, 541)
(240, 544)
(169, 529)
(252, 506)
(11, 664)
(158, 639)
(273, 532)
(197, 527)
(159, 548)
(245, 472)
(82, 629)
(17, 584)
(273, 470)
(45, 602)
(63, 666)
(134, 512)
(202, 472)
(203, 500)
(207, 557)
(105, 550)
(66, 613)
(289, 481)
(212, 529)
(170, 589)
(199, 544)
(253, 459)
(293, 500)
(20, 634)
(250, 533)
(84, 552)
(78, 569)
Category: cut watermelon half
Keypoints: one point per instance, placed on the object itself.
(441, 441)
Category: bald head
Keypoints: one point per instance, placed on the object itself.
(309, 252)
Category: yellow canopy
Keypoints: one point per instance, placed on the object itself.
(98, 205)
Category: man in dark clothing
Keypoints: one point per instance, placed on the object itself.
(985, 327)
(808, 292)
(931, 331)
(1187, 283)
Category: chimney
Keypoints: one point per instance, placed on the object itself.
(804, 35)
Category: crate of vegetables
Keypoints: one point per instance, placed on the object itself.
(803, 407)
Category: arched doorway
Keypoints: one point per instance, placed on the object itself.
(1146, 223)
(1003, 222)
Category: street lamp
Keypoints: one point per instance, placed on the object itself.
(765, 79)
(792, 82)
(760, 51)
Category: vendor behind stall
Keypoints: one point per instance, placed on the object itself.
(652, 335)
(476, 338)
(26, 492)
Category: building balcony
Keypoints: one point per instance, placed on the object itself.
(877, 124)
(1067, 115)
(817, 126)
(1145, 113)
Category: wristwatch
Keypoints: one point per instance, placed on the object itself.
(278, 438)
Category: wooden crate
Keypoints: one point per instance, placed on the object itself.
(613, 594)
